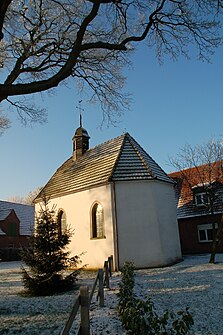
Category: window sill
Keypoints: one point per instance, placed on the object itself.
(98, 238)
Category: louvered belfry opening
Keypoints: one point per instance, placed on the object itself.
(80, 142)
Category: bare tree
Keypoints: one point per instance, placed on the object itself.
(4, 122)
(45, 42)
(201, 168)
(28, 199)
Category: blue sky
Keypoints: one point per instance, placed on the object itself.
(172, 104)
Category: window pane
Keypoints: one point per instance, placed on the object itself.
(97, 221)
(202, 235)
(94, 222)
(205, 198)
(201, 198)
(63, 223)
(210, 234)
(99, 218)
(198, 199)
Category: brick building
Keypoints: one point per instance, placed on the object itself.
(199, 196)
(16, 225)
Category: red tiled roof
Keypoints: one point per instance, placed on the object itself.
(195, 177)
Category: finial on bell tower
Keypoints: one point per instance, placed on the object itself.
(80, 111)
(80, 120)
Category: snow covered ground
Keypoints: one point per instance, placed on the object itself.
(48, 315)
(193, 282)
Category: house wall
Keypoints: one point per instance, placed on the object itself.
(146, 223)
(12, 241)
(10, 225)
(77, 207)
(189, 235)
(10, 247)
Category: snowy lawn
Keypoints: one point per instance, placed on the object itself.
(193, 282)
(48, 315)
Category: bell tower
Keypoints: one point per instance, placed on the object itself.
(80, 141)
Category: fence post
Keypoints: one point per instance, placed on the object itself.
(110, 263)
(106, 274)
(101, 288)
(84, 302)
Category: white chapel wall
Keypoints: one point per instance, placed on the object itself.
(77, 207)
(168, 226)
(146, 223)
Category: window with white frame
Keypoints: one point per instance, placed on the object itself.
(97, 221)
(201, 199)
(205, 232)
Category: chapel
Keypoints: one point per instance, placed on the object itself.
(118, 201)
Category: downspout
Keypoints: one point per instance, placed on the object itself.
(115, 228)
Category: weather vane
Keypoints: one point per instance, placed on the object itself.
(79, 107)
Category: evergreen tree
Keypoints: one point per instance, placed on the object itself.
(47, 258)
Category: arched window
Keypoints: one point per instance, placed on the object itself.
(97, 221)
(62, 222)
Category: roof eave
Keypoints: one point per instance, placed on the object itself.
(64, 193)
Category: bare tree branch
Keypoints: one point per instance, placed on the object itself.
(3, 9)
(47, 42)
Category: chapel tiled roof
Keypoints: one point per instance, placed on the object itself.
(120, 159)
(25, 214)
(198, 177)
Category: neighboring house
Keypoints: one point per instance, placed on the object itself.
(193, 190)
(118, 201)
(16, 225)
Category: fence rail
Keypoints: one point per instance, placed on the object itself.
(83, 300)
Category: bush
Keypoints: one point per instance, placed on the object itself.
(139, 317)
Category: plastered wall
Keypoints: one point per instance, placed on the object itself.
(146, 223)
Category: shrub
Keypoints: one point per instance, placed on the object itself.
(139, 317)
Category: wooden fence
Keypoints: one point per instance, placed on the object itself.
(84, 298)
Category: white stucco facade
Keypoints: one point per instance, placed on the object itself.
(146, 223)
(139, 224)
(77, 208)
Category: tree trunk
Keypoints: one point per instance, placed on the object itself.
(216, 239)
(213, 249)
